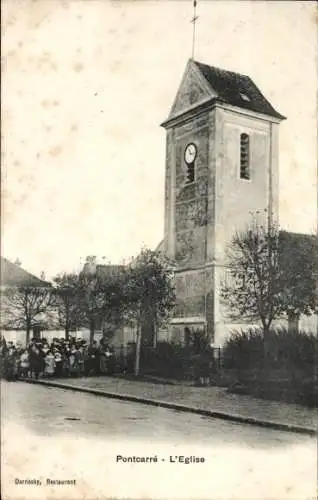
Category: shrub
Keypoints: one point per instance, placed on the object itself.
(200, 342)
(290, 364)
(168, 360)
(245, 349)
(242, 349)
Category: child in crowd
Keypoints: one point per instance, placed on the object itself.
(58, 362)
(24, 364)
(49, 364)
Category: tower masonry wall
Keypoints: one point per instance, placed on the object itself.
(201, 217)
(238, 201)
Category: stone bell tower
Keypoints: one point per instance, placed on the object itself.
(221, 166)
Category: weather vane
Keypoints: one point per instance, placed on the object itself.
(193, 21)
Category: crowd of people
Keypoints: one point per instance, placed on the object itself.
(76, 358)
(58, 358)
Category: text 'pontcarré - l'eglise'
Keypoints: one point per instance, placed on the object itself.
(173, 459)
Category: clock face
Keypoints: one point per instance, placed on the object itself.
(190, 153)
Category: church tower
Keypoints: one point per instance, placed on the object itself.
(221, 167)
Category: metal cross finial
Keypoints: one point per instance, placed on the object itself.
(193, 21)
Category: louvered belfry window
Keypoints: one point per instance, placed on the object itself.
(245, 156)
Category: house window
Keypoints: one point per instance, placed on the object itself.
(245, 156)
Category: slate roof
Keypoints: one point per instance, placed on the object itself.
(229, 88)
(14, 275)
(108, 270)
(299, 245)
(237, 90)
(104, 270)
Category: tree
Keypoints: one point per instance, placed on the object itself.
(66, 302)
(90, 301)
(101, 299)
(114, 303)
(149, 293)
(263, 281)
(25, 307)
(299, 266)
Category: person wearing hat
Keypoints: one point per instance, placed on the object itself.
(49, 364)
(36, 361)
(65, 362)
(72, 361)
(58, 362)
(80, 360)
(94, 356)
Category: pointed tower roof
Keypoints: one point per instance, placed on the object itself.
(204, 85)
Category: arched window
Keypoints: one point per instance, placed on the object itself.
(245, 156)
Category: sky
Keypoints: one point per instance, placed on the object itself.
(86, 84)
